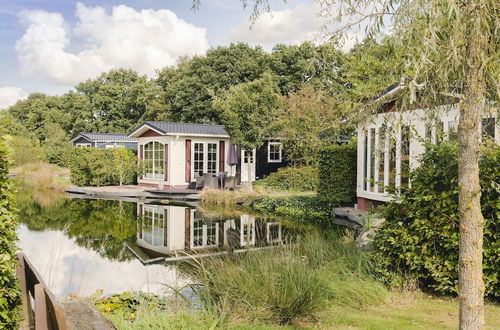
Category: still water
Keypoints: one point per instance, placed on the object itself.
(80, 246)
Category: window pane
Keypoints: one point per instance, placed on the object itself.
(381, 157)
(488, 128)
(373, 169)
(405, 156)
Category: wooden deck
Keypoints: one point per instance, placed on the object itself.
(134, 192)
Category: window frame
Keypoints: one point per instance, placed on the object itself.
(154, 162)
(280, 152)
(205, 157)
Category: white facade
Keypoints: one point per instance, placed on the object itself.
(176, 159)
(389, 145)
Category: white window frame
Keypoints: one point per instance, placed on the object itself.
(156, 215)
(269, 160)
(204, 233)
(83, 145)
(271, 240)
(153, 175)
(205, 157)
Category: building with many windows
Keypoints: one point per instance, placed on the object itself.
(391, 142)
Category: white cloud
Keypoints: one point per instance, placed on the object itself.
(143, 40)
(10, 95)
(290, 26)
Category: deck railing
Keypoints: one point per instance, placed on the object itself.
(46, 314)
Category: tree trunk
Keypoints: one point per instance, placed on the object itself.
(471, 286)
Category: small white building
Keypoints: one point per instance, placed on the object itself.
(391, 142)
(176, 153)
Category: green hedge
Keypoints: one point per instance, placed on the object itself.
(420, 234)
(9, 290)
(337, 175)
(299, 209)
(103, 167)
(297, 178)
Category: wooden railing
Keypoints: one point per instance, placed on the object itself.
(47, 314)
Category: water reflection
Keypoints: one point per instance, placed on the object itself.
(171, 233)
(81, 245)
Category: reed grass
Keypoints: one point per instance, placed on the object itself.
(283, 285)
(43, 176)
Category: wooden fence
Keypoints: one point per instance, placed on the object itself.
(46, 314)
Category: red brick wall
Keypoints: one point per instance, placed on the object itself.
(365, 203)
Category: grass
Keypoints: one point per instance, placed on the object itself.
(43, 176)
(319, 281)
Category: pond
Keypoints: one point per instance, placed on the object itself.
(80, 246)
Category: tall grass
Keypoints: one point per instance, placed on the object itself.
(289, 283)
(43, 176)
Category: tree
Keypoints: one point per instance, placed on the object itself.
(308, 119)
(188, 90)
(247, 111)
(117, 100)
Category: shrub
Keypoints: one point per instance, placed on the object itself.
(301, 209)
(24, 150)
(303, 178)
(100, 167)
(9, 290)
(337, 175)
(421, 231)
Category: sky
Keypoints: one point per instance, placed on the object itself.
(49, 46)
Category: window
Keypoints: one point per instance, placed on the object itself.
(405, 156)
(488, 128)
(381, 157)
(273, 232)
(83, 145)
(365, 161)
(212, 158)
(274, 152)
(199, 159)
(453, 130)
(248, 155)
(153, 227)
(154, 160)
(392, 158)
(204, 234)
(373, 169)
(204, 158)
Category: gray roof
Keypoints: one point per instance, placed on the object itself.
(185, 128)
(111, 137)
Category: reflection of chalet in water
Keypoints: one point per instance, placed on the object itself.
(167, 232)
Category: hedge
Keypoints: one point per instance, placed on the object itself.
(420, 235)
(103, 167)
(337, 175)
(9, 290)
(296, 178)
(299, 209)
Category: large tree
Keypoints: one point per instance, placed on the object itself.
(248, 110)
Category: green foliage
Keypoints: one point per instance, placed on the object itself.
(102, 167)
(9, 290)
(337, 174)
(297, 178)
(248, 110)
(420, 234)
(24, 150)
(299, 209)
(309, 119)
(56, 148)
(289, 282)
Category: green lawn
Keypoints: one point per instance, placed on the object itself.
(403, 310)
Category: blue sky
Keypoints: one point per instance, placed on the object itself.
(50, 45)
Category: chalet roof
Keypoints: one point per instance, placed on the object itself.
(167, 128)
(108, 137)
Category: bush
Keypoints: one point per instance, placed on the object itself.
(337, 175)
(9, 290)
(420, 234)
(301, 209)
(24, 150)
(304, 178)
(100, 167)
